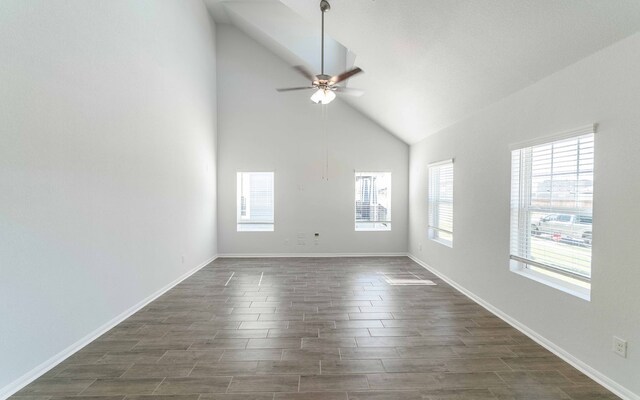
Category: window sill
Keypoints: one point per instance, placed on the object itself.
(563, 283)
(445, 242)
(255, 227)
(435, 236)
(373, 226)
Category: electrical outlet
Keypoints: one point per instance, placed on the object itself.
(620, 347)
(182, 258)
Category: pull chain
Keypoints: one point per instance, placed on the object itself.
(325, 133)
(326, 137)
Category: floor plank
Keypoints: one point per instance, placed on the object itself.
(312, 328)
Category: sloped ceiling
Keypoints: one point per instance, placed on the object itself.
(431, 63)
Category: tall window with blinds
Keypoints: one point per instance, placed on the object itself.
(551, 209)
(255, 202)
(373, 201)
(441, 202)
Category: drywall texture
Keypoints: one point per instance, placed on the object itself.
(603, 88)
(262, 130)
(107, 164)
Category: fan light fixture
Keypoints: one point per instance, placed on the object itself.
(323, 96)
(326, 85)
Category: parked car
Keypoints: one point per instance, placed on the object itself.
(565, 227)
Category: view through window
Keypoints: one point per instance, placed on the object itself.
(551, 208)
(373, 201)
(255, 201)
(441, 202)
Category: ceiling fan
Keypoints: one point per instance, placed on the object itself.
(326, 85)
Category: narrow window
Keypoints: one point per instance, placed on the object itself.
(255, 202)
(441, 202)
(551, 212)
(373, 201)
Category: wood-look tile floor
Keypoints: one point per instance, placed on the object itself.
(324, 328)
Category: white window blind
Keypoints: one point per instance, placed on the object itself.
(255, 201)
(373, 201)
(441, 202)
(551, 208)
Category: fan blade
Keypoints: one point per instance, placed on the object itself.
(349, 91)
(344, 76)
(294, 88)
(305, 72)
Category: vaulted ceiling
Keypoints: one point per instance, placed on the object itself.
(431, 63)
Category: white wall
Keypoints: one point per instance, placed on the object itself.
(262, 130)
(605, 89)
(107, 164)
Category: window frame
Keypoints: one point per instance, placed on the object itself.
(557, 277)
(435, 232)
(388, 222)
(247, 205)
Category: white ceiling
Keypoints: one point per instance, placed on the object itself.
(431, 63)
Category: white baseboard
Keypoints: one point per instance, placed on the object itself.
(44, 367)
(592, 373)
(308, 255)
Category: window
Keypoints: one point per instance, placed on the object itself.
(441, 202)
(373, 201)
(255, 201)
(551, 212)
